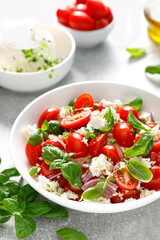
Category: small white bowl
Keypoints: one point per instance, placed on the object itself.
(60, 97)
(35, 81)
(89, 39)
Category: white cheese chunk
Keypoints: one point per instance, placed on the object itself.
(101, 166)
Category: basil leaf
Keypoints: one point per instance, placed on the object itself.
(11, 205)
(69, 155)
(45, 126)
(13, 187)
(71, 234)
(27, 194)
(136, 103)
(136, 52)
(4, 192)
(135, 123)
(33, 171)
(73, 173)
(55, 128)
(153, 69)
(66, 136)
(110, 121)
(57, 163)
(4, 215)
(56, 212)
(35, 209)
(36, 138)
(11, 172)
(95, 192)
(24, 226)
(72, 102)
(142, 147)
(139, 171)
(50, 152)
(3, 178)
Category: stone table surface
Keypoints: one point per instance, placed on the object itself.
(110, 62)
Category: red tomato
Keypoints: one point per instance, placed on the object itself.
(154, 156)
(111, 152)
(96, 144)
(96, 9)
(156, 146)
(63, 16)
(61, 181)
(99, 106)
(152, 125)
(101, 23)
(123, 133)
(135, 193)
(80, 1)
(55, 141)
(123, 112)
(33, 154)
(45, 170)
(49, 114)
(80, 7)
(76, 121)
(75, 144)
(81, 21)
(109, 14)
(84, 100)
(124, 180)
(75, 190)
(154, 184)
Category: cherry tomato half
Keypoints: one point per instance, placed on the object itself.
(76, 121)
(75, 144)
(135, 193)
(154, 184)
(49, 114)
(101, 23)
(84, 100)
(111, 152)
(123, 133)
(96, 9)
(123, 112)
(81, 21)
(45, 170)
(124, 180)
(55, 141)
(152, 125)
(75, 190)
(33, 154)
(63, 16)
(96, 144)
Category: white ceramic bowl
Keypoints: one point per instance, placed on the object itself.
(89, 39)
(34, 81)
(60, 97)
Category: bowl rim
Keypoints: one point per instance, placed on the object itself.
(80, 206)
(72, 51)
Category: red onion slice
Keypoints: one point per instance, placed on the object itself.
(152, 117)
(91, 183)
(86, 176)
(111, 188)
(53, 175)
(119, 150)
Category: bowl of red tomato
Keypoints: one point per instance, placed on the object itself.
(89, 21)
(126, 143)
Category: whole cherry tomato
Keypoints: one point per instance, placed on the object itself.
(101, 23)
(124, 180)
(45, 170)
(96, 9)
(49, 114)
(154, 184)
(81, 21)
(63, 16)
(80, 7)
(84, 100)
(123, 133)
(75, 144)
(95, 145)
(123, 112)
(80, 1)
(55, 141)
(111, 152)
(76, 121)
(33, 154)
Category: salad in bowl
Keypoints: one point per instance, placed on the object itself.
(95, 151)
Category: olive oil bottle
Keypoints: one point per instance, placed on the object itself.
(152, 14)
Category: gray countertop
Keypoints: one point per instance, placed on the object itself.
(110, 62)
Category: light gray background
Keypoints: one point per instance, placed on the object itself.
(110, 62)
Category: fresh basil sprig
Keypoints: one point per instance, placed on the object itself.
(56, 158)
(153, 69)
(136, 52)
(139, 171)
(135, 123)
(109, 121)
(95, 192)
(136, 103)
(142, 147)
(71, 234)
